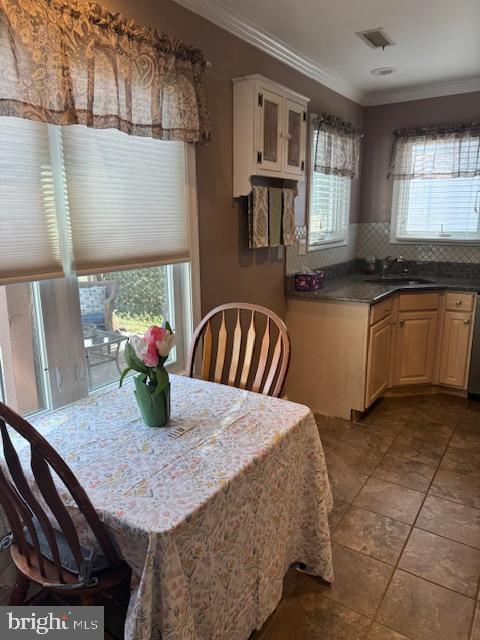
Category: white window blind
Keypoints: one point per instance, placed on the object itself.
(127, 199)
(329, 206)
(98, 199)
(441, 207)
(28, 224)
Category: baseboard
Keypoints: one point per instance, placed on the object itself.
(427, 390)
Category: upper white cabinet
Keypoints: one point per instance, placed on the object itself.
(269, 132)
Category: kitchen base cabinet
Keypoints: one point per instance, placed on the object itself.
(378, 367)
(415, 348)
(455, 349)
(345, 355)
(329, 355)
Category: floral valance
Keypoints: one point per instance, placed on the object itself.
(450, 151)
(75, 63)
(337, 146)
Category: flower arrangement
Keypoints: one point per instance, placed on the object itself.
(147, 354)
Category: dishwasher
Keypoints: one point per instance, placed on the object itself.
(474, 377)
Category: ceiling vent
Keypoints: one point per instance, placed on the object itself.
(376, 38)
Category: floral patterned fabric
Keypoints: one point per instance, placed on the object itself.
(449, 151)
(337, 146)
(258, 217)
(210, 521)
(288, 217)
(75, 63)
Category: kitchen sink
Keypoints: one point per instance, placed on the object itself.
(400, 280)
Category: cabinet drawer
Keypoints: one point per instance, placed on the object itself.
(459, 301)
(381, 310)
(418, 301)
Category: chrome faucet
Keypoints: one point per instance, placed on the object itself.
(388, 262)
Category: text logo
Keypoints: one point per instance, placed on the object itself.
(57, 622)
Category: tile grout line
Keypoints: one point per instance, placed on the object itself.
(412, 526)
(395, 568)
(477, 595)
(370, 475)
(392, 566)
(407, 524)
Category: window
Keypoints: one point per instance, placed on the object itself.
(22, 355)
(329, 205)
(436, 196)
(114, 256)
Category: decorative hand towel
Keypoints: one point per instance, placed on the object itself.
(288, 217)
(275, 216)
(258, 217)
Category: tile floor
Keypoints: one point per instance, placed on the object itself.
(405, 529)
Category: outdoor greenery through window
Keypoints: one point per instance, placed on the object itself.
(328, 207)
(114, 306)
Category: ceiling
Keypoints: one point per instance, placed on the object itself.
(437, 50)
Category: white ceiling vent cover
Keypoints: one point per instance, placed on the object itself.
(376, 38)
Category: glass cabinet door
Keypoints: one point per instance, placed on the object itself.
(269, 147)
(295, 126)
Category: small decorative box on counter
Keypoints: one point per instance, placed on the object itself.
(310, 281)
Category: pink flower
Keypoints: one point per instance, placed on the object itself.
(150, 356)
(154, 334)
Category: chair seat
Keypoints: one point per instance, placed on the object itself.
(67, 560)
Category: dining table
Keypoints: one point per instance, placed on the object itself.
(210, 511)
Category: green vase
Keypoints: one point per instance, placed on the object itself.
(154, 407)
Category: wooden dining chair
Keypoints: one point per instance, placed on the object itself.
(242, 345)
(51, 556)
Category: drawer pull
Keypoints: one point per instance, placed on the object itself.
(458, 303)
(466, 322)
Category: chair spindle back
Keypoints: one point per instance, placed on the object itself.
(242, 345)
(17, 497)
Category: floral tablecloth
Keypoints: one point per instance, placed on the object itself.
(209, 522)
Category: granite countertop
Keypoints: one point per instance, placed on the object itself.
(357, 287)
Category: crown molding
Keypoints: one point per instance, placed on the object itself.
(433, 90)
(233, 22)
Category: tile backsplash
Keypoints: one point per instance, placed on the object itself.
(373, 239)
(321, 257)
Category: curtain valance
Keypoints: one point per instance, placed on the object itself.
(450, 151)
(337, 146)
(76, 63)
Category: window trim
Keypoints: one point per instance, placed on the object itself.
(398, 239)
(327, 244)
(194, 295)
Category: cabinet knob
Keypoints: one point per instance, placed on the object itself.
(466, 321)
(402, 322)
(387, 309)
(458, 303)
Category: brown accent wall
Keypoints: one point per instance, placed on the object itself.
(379, 123)
(229, 270)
